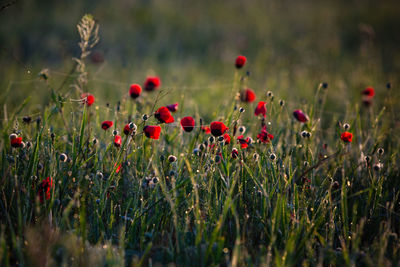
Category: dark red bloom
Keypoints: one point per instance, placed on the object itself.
(173, 107)
(247, 95)
(369, 91)
(206, 129)
(218, 128)
(105, 125)
(244, 143)
(240, 61)
(152, 83)
(264, 136)
(300, 115)
(117, 140)
(227, 138)
(187, 124)
(152, 132)
(88, 99)
(235, 153)
(44, 189)
(346, 137)
(135, 90)
(261, 109)
(127, 129)
(16, 142)
(163, 115)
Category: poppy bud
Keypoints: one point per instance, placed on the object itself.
(145, 117)
(173, 107)
(335, 185)
(300, 116)
(380, 151)
(26, 119)
(235, 153)
(272, 157)
(346, 126)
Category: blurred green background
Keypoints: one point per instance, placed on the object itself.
(291, 47)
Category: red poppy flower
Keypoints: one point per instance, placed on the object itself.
(369, 91)
(247, 95)
(88, 99)
(105, 125)
(227, 138)
(300, 115)
(118, 168)
(187, 124)
(16, 142)
(163, 115)
(127, 129)
(346, 137)
(264, 136)
(152, 83)
(44, 189)
(206, 129)
(218, 128)
(261, 109)
(173, 107)
(240, 61)
(244, 143)
(152, 132)
(234, 153)
(135, 90)
(117, 140)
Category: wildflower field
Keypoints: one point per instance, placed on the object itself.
(211, 137)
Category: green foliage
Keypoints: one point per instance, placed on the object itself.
(292, 201)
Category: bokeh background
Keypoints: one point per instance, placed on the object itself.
(291, 47)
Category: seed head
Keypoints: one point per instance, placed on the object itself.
(171, 158)
(133, 127)
(63, 157)
(13, 136)
(256, 156)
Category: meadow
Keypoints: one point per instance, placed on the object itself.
(234, 134)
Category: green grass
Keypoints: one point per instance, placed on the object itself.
(318, 202)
